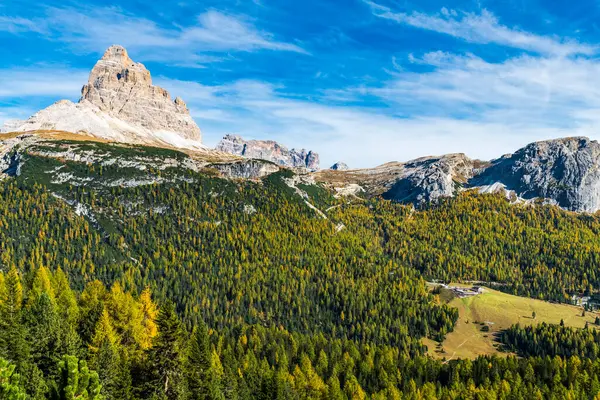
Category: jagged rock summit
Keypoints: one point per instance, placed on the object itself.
(426, 179)
(120, 103)
(269, 150)
(339, 166)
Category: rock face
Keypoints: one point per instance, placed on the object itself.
(123, 89)
(269, 150)
(564, 170)
(245, 169)
(418, 181)
(120, 103)
(431, 178)
(339, 166)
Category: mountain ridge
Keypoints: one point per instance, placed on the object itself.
(565, 171)
(119, 103)
(269, 150)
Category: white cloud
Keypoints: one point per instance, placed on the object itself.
(531, 90)
(360, 136)
(482, 28)
(94, 29)
(45, 80)
(18, 25)
(224, 32)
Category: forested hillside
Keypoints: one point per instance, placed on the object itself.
(297, 304)
(553, 340)
(106, 343)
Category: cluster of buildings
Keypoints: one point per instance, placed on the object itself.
(462, 292)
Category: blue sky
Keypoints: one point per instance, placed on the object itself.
(359, 81)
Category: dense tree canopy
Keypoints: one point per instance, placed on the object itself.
(270, 299)
(122, 360)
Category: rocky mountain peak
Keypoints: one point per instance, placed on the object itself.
(269, 150)
(114, 70)
(118, 54)
(120, 103)
(123, 88)
(428, 179)
(339, 166)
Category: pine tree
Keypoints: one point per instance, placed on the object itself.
(44, 334)
(104, 332)
(11, 298)
(91, 305)
(353, 389)
(10, 388)
(127, 318)
(76, 381)
(42, 283)
(165, 354)
(149, 313)
(65, 298)
(108, 364)
(334, 390)
(13, 342)
(200, 373)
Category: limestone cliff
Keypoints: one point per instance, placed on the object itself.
(120, 103)
(269, 150)
(566, 171)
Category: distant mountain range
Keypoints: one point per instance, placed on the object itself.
(120, 104)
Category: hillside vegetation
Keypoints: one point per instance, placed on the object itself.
(296, 304)
(106, 343)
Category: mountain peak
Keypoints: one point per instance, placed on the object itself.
(123, 88)
(120, 103)
(115, 52)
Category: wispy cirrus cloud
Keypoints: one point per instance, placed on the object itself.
(542, 91)
(221, 31)
(366, 136)
(482, 28)
(208, 40)
(18, 25)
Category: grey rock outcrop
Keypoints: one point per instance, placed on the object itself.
(269, 150)
(431, 178)
(339, 166)
(426, 179)
(245, 169)
(564, 170)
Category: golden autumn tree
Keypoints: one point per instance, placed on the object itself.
(149, 313)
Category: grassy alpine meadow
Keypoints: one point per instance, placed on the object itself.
(498, 311)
